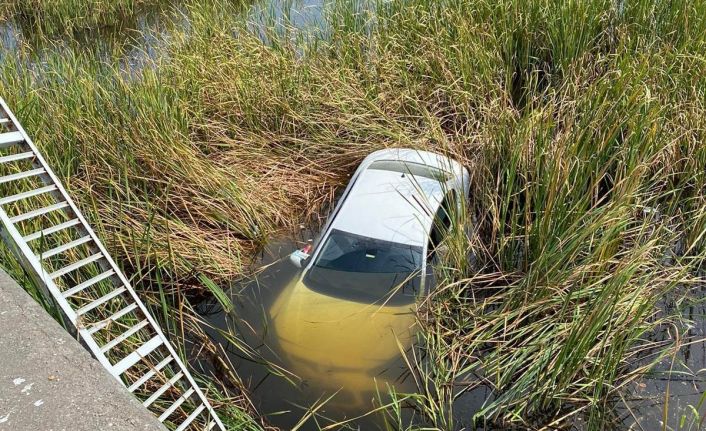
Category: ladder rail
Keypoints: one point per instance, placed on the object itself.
(48, 177)
(28, 256)
(86, 336)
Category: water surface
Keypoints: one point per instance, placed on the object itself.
(283, 385)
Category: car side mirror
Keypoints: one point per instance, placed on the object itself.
(299, 257)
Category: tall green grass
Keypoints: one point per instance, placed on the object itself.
(57, 17)
(582, 123)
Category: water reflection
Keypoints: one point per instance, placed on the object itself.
(136, 36)
(141, 39)
(671, 395)
(293, 18)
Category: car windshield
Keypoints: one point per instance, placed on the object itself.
(367, 270)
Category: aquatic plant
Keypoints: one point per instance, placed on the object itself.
(68, 16)
(582, 123)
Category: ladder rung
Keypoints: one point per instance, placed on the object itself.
(25, 195)
(16, 157)
(10, 138)
(77, 252)
(138, 354)
(158, 393)
(51, 230)
(176, 405)
(211, 425)
(100, 301)
(20, 175)
(88, 283)
(62, 248)
(191, 418)
(38, 212)
(74, 266)
(120, 313)
(124, 336)
(148, 375)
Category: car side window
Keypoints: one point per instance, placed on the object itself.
(442, 223)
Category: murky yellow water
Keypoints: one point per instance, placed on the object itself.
(346, 353)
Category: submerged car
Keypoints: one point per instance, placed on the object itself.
(349, 312)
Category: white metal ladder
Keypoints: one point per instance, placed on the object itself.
(60, 251)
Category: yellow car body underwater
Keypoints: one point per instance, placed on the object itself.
(339, 345)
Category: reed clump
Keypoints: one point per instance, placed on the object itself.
(582, 124)
(58, 17)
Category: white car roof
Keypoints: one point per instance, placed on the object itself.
(393, 205)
